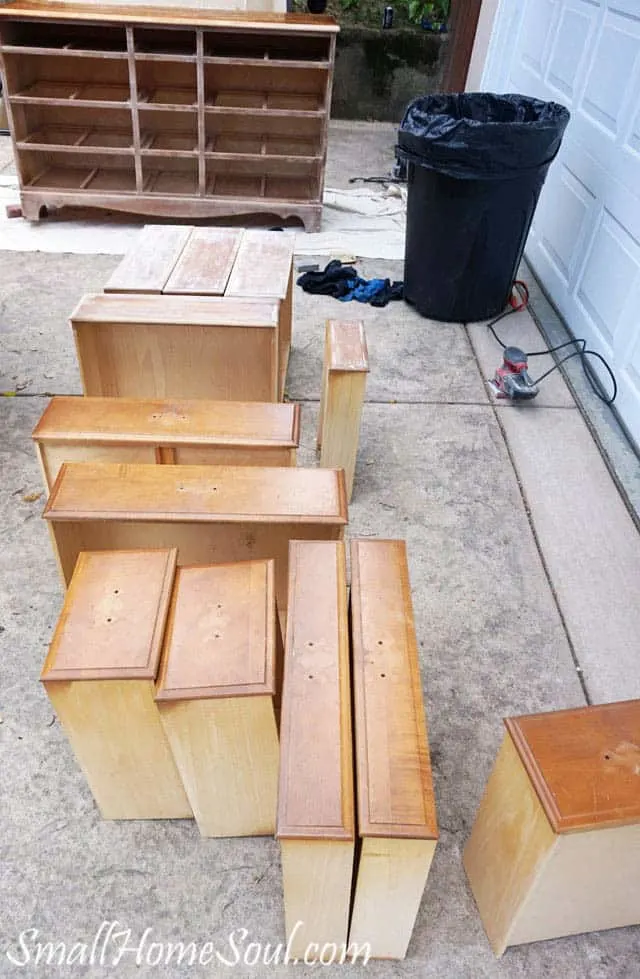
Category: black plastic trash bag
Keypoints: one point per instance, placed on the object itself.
(476, 165)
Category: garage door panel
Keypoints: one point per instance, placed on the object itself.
(584, 244)
(612, 195)
(618, 161)
(568, 58)
(524, 79)
(537, 25)
(577, 204)
(632, 145)
(582, 324)
(613, 262)
(632, 371)
(613, 65)
(628, 7)
(628, 396)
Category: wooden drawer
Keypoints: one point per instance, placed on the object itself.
(245, 264)
(396, 807)
(555, 847)
(344, 378)
(165, 432)
(212, 514)
(315, 823)
(215, 694)
(140, 346)
(100, 677)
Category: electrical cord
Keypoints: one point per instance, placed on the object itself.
(582, 351)
(376, 180)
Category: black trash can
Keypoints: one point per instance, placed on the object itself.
(475, 166)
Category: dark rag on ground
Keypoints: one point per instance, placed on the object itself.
(343, 283)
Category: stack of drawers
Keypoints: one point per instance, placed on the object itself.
(203, 662)
(167, 682)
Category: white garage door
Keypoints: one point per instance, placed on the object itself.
(585, 241)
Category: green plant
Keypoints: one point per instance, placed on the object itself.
(436, 11)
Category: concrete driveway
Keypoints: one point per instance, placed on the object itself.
(524, 562)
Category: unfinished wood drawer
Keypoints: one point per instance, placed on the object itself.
(138, 346)
(212, 514)
(555, 847)
(215, 694)
(344, 379)
(396, 808)
(247, 264)
(315, 801)
(182, 432)
(100, 677)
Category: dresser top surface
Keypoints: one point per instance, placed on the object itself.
(168, 16)
(187, 261)
(584, 763)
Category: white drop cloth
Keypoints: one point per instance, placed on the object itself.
(367, 222)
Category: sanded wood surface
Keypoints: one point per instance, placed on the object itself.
(263, 265)
(84, 187)
(316, 875)
(226, 750)
(228, 72)
(176, 422)
(347, 346)
(146, 346)
(168, 16)
(316, 772)
(393, 769)
(113, 618)
(590, 883)
(194, 432)
(532, 883)
(251, 263)
(145, 267)
(177, 310)
(583, 763)
(220, 636)
(205, 264)
(390, 883)
(198, 494)
(117, 737)
(344, 378)
(511, 838)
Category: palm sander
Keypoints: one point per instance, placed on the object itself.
(512, 379)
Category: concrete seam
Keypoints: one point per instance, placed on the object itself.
(445, 404)
(527, 510)
(585, 415)
(311, 401)
(34, 394)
